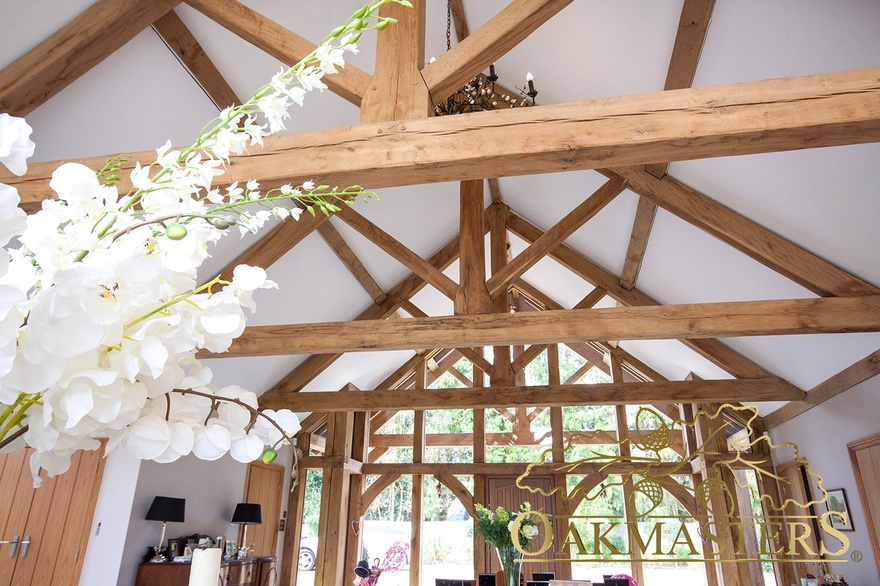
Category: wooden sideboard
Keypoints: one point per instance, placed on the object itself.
(247, 572)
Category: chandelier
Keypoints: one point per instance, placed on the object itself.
(480, 93)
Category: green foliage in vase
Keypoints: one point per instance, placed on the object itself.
(496, 526)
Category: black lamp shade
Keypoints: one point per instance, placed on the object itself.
(166, 508)
(247, 514)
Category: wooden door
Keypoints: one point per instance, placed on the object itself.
(54, 519)
(865, 457)
(796, 488)
(264, 485)
(502, 491)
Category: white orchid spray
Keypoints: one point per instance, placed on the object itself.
(100, 311)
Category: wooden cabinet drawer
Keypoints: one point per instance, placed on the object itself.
(238, 574)
(232, 573)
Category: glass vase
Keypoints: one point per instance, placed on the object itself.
(510, 558)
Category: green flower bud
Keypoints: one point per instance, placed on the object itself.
(269, 455)
(175, 231)
(222, 223)
(358, 25)
(361, 13)
(337, 31)
(406, 3)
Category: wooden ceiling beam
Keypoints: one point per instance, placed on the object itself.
(844, 380)
(632, 366)
(494, 190)
(453, 372)
(412, 309)
(631, 393)
(473, 295)
(516, 469)
(181, 41)
(665, 322)
(282, 44)
(396, 379)
(473, 354)
(275, 244)
(589, 352)
(399, 252)
(351, 261)
(315, 365)
(484, 46)
(553, 237)
(462, 31)
(397, 91)
(580, 372)
(502, 438)
(723, 120)
(527, 356)
(638, 243)
(73, 50)
(595, 352)
(713, 350)
(599, 354)
(788, 259)
(591, 298)
(693, 26)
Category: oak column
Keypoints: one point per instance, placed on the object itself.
(563, 504)
(418, 480)
(629, 501)
(334, 503)
(711, 438)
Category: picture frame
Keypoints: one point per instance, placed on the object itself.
(837, 503)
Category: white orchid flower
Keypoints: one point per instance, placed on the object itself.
(211, 440)
(246, 447)
(15, 143)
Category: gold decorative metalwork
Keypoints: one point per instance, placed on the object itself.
(654, 466)
(655, 434)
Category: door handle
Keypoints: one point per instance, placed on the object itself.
(13, 543)
(24, 545)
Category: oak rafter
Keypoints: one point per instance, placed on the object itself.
(286, 46)
(713, 350)
(189, 51)
(73, 50)
(476, 51)
(783, 256)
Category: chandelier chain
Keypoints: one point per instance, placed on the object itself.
(448, 25)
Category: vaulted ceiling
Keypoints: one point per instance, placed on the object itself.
(794, 225)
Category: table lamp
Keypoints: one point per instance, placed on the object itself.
(246, 514)
(168, 510)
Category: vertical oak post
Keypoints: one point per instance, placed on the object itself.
(334, 502)
(689, 437)
(727, 570)
(629, 501)
(418, 480)
(473, 295)
(563, 505)
(359, 451)
(293, 530)
(502, 370)
(479, 479)
(397, 90)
